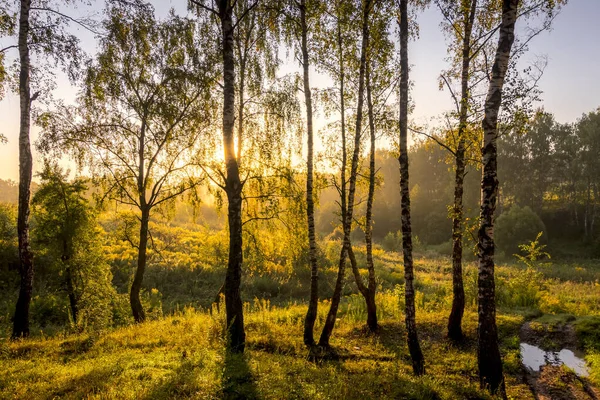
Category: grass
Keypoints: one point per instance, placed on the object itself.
(183, 355)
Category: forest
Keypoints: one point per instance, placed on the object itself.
(203, 220)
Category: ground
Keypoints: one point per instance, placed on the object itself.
(183, 356)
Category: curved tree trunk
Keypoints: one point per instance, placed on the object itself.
(311, 315)
(488, 353)
(21, 317)
(347, 216)
(134, 295)
(233, 189)
(414, 347)
(368, 291)
(458, 291)
(71, 293)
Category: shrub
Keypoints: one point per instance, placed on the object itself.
(392, 241)
(521, 288)
(516, 226)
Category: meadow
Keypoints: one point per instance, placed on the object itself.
(182, 354)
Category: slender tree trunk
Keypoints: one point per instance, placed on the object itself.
(368, 291)
(488, 353)
(414, 347)
(343, 204)
(233, 189)
(21, 317)
(71, 292)
(134, 295)
(347, 245)
(65, 258)
(311, 315)
(458, 299)
(587, 214)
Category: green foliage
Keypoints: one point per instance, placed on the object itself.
(8, 242)
(392, 241)
(516, 226)
(9, 261)
(66, 236)
(588, 332)
(520, 289)
(533, 252)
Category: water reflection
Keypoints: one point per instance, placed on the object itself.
(533, 358)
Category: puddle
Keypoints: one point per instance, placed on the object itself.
(533, 358)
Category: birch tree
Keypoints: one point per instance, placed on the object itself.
(380, 82)
(300, 19)
(488, 353)
(470, 25)
(246, 27)
(41, 35)
(140, 117)
(347, 212)
(414, 347)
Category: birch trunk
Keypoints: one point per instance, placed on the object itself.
(136, 286)
(233, 189)
(410, 318)
(311, 315)
(458, 291)
(134, 295)
(21, 317)
(368, 291)
(488, 353)
(347, 217)
(343, 251)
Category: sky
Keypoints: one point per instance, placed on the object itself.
(570, 86)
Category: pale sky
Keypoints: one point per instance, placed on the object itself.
(569, 84)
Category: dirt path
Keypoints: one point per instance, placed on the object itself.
(554, 382)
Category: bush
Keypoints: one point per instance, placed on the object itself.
(521, 288)
(49, 310)
(392, 241)
(516, 226)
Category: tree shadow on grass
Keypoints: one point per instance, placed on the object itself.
(93, 382)
(238, 382)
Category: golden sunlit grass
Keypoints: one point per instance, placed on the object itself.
(183, 356)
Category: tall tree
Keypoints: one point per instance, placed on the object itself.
(299, 21)
(488, 353)
(141, 114)
(414, 347)
(248, 32)
(368, 290)
(224, 12)
(311, 314)
(380, 81)
(41, 31)
(347, 215)
(471, 24)
(21, 318)
(467, 12)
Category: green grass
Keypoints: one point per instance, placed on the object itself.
(183, 355)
